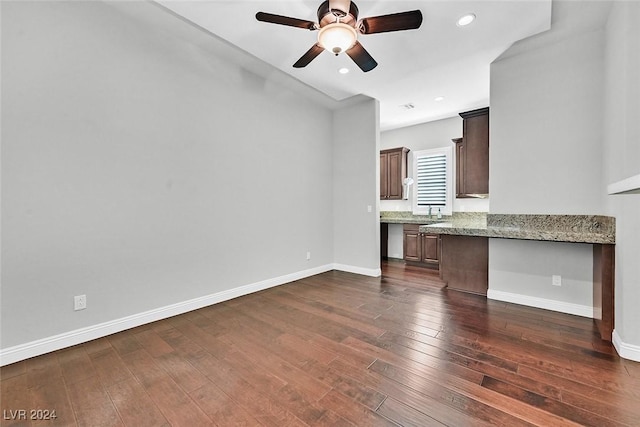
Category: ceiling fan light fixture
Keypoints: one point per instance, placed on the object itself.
(337, 37)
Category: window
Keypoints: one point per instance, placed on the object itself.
(432, 176)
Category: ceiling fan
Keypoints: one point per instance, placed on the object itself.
(339, 28)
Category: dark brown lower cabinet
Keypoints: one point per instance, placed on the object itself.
(604, 268)
(464, 263)
(384, 240)
(421, 248)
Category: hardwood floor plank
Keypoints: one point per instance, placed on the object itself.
(441, 410)
(328, 313)
(134, 405)
(181, 371)
(97, 345)
(13, 370)
(14, 397)
(355, 413)
(569, 387)
(619, 411)
(220, 407)
(77, 368)
(52, 396)
(456, 354)
(346, 385)
(124, 342)
(310, 351)
(633, 368)
(272, 358)
(405, 415)
(109, 366)
(43, 370)
(547, 404)
(253, 399)
(91, 404)
(176, 406)
(152, 343)
(402, 355)
(468, 396)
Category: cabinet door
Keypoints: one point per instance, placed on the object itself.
(472, 155)
(411, 244)
(430, 248)
(384, 176)
(476, 146)
(460, 161)
(393, 171)
(396, 175)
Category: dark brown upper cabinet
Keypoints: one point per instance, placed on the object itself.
(472, 155)
(393, 171)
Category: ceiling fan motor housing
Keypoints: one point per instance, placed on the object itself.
(327, 16)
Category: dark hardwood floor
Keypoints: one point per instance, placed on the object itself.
(337, 349)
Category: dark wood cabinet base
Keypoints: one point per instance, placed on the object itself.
(603, 289)
(384, 240)
(420, 249)
(464, 263)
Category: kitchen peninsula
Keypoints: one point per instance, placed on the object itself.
(464, 249)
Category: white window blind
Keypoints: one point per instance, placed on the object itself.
(431, 182)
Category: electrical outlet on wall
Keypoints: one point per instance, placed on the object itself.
(556, 280)
(308, 256)
(79, 302)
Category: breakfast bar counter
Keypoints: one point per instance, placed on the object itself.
(464, 243)
(464, 264)
(553, 228)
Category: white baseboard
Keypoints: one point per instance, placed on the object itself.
(35, 348)
(373, 272)
(547, 304)
(626, 351)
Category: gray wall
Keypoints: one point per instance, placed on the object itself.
(142, 167)
(356, 145)
(545, 157)
(622, 159)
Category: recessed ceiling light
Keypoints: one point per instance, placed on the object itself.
(466, 19)
(343, 70)
(438, 98)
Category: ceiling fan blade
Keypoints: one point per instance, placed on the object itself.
(394, 22)
(305, 59)
(361, 57)
(341, 5)
(285, 20)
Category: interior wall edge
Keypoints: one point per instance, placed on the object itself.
(625, 350)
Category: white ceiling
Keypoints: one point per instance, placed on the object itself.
(415, 66)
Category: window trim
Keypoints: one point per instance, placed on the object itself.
(448, 153)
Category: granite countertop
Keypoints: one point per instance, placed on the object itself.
(407, 217)
(555, 228)
(403, 217)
